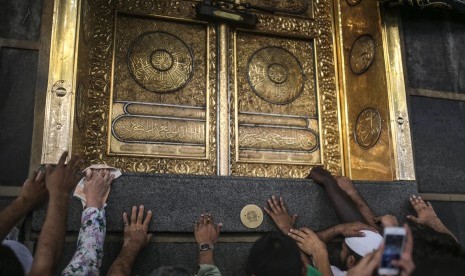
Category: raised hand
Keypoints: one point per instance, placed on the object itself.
(424, 210)
(135, 231)
(34, 191)
(320, 175)
(97, 187)
(427, 216)
(205, 230)
(307, 240)
(278, 212)
(61, 179)
(387, 221)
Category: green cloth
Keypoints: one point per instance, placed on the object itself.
(208, 270)
(311, 271)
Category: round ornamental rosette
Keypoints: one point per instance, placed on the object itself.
(160, 62)
(275, 75)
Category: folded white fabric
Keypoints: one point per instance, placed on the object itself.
(79, 191)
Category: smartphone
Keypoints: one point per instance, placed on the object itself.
(394, 242)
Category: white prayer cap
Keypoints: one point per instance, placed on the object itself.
(364, 245)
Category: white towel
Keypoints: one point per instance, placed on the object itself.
(79, 191)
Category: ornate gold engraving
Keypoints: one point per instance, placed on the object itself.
(117, 104)
(293, 6)
(310, 42)
(362, 54)
(144, 129)
(160, 62)
(368, 128)
(275, 75)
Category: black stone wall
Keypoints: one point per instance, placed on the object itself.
(434, 52)
(19, 23)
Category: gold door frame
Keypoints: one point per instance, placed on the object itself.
(59, 113)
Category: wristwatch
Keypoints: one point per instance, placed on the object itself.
(205, 247)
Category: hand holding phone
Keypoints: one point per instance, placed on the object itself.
(394, 243)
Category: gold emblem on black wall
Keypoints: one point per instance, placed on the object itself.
(353, 2)
(165, 66)
(362, 54)
(252, 216)
(368, 128)
(275, 75)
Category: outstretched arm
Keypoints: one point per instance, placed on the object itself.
(32, 194)
(427, 216)
(343, 206)
(206, 234)
(59, 181)
(135, 238)
(309, 243)
(89, 252)
(351, 229)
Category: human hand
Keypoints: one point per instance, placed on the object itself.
(353, 229)
(97, 187)
(425, 211)
(278, 212)
(387, 221)
(307, 241)
(62, 178)
(320, 175)
(34, 191)
(205, 230)
(367, 265)
(405, 263)
(135, 233)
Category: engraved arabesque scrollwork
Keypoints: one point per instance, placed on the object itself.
(164, 67)
(100, 59)
(275, 75)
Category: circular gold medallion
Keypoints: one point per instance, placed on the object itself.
(275, 75)
(252, 216)
(362, 54)
(368, 128)
(160, 62)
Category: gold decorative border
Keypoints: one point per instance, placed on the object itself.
(59, 110)
(400, 123)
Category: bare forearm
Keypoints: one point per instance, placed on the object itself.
(51, 237)
(328, 234)
(206, 257)
(363, 208)
(438, 226)
(124, 262)
(321, 262)
(11, 215)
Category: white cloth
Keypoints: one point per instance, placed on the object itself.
(337, 272)
(79, 191)
(22, 253)
(364, 245)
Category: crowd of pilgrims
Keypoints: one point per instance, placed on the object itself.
(429, 247)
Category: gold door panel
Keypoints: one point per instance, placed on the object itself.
(148, 87)
(156, 101)
(284, 99)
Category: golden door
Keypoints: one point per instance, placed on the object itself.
(157, 90)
